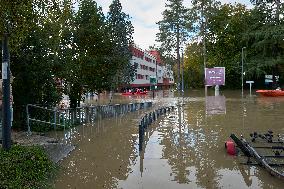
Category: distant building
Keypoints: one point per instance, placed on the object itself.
(149, 65)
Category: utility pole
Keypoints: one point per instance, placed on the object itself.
(182, 73)
(243, 71)
(6, 104)
(178, 58)
(203, 29)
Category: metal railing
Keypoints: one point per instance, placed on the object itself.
(148, 119)
(47, 113)
(68, 117)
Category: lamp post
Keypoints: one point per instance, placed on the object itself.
(182, 71)
(243, 70)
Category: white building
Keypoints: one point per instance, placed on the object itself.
(149, 64)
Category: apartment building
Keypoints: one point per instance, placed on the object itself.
(149, 65)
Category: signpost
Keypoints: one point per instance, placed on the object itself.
(250, 84)
(153, 82)
(6, 106)
(215, 76)
(268, 78)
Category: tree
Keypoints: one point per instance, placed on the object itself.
(33, 52)
(264, 39)
(225, 26)
(225, 29)
(174, 29)
(193, 65)
(201, 11)
(120, 30)
(92, 46)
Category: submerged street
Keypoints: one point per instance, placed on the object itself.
(182, 149)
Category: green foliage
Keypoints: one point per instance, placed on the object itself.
(226, 26)
(25, 167)
(193, 66)
(49, 40)
(174, 28)
(33, 52)
(264, 39)
(120, 31)
(225, 29)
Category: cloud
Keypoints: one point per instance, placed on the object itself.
(144, 16)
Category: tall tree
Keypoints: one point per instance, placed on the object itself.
(174, 29)
(120, 30)
(33, 52)
(92, 68)
(225, 28)
(202, 9)
(264, 39)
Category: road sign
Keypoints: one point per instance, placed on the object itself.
(249, 81)
(215, 76)
(153, 80)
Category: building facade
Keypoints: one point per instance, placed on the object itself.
(148, 65)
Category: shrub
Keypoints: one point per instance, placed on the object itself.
(25, 167)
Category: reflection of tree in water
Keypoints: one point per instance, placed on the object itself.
(185, 146)
(104, 156)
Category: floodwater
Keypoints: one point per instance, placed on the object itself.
(182, 149)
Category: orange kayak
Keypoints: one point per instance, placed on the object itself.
(272, 93)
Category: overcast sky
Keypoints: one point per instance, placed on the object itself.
(144, 15)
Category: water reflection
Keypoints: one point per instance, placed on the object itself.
(183, 149)
(215, 105)
(104, 155)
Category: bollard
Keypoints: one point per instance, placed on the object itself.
(151, 118)
(136, 106)
(141, 105)
(141, 137)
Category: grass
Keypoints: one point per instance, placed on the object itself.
(25, 168)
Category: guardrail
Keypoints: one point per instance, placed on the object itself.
(148, 119)
(81, 115)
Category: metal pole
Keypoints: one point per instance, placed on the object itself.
(54, 120)
(243, 70)
(28, 120)
(6, 104)
(182, 71)
(156, 75)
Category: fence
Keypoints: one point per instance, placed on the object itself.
(62, 118)
(148, 119)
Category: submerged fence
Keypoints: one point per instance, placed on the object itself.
(62, 118)
(148, 119)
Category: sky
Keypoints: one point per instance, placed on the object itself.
(144, 16)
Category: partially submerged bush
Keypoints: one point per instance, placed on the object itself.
(25, 167)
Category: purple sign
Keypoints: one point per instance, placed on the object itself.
(215, 76)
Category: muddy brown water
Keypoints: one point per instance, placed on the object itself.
(182, 149)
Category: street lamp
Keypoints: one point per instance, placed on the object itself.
(182, 70)
(243, 70)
